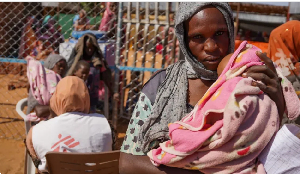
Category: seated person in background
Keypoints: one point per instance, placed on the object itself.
(42, 49)
(81, 22)
(70, 105)
(43, 76)
(230, 125)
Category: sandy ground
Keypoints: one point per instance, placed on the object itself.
(12, 130)
(12, 155)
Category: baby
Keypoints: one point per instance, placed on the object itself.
(82, 70)
(233, 122)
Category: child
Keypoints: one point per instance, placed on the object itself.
(82, 70)
(91, 78)
(233, 122)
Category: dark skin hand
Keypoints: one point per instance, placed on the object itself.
(42, 111)
(142, 165)
(271, 82)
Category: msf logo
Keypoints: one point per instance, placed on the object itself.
(66, 141)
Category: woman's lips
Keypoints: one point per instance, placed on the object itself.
(212, 60)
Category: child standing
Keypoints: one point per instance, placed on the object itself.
(82, 70)
(90, 75)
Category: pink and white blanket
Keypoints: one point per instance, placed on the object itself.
(230, 125)
(42, 83)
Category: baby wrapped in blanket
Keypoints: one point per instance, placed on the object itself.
(230, 125)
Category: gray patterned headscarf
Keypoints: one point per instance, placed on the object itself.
(170, 102)
(51, 60)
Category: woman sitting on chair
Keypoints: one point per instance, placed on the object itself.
(73, 128)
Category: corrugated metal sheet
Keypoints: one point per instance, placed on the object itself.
(295, 8)
(261, 18)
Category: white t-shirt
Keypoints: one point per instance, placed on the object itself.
(71, 132)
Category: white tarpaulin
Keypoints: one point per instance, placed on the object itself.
(50, 4)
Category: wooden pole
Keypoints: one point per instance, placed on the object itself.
(288, 13)
(237, 20)
(57, 12)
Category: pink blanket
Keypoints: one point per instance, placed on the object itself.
(230, 125)
(42, 83)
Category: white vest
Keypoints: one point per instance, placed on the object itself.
(71, 132)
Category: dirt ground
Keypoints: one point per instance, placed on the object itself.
(12, 156)
(12, 130)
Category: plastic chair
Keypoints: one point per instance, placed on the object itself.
(19, 108)
(75, 163)
(29, 166)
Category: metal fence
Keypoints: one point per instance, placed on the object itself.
(148, 44)
(139, 40)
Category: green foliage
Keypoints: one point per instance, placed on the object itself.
(90, 7)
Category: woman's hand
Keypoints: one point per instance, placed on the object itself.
(129, 164)
(42, 111)
(116, 97)
(271, 82)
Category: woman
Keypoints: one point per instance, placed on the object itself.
(47, 77)
(108, 22)
(70, 103)
(51, 31)
(284, 50)
(81, 21)
(205, 34)
(88, 49)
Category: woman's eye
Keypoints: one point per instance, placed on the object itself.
(219, 33)
(197, 37)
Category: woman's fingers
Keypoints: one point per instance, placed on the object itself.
(264, 79)
(266, 60)
(260, 69)
(266, 89)
(270, 81)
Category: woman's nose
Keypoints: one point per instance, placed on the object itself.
(210, 45)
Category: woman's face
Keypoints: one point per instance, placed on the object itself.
(113, 7)
(81, 15)
(207, 37)
(60, 67)
(89, 48)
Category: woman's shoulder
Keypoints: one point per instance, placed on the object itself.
(96, 115)
(151, 86)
